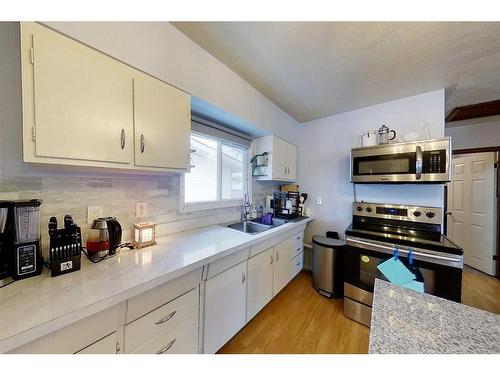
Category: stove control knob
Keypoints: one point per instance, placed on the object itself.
(359, 208)
(417, 213)
(368, 209)
(430, 215)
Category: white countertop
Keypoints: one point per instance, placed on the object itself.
(34, 307)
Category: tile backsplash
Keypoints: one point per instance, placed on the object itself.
(70, 194)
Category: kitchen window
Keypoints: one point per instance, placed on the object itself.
(219, 171)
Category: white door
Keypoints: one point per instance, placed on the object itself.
(162, 119)
(225, 307)
(83, 101)
(260, 282)
(472, 209)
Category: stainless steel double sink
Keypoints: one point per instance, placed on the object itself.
(254, 227)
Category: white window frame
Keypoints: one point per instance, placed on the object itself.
(219, 203)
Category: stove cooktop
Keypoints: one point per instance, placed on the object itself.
(407, 237)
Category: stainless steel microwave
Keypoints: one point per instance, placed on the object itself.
(427, 161)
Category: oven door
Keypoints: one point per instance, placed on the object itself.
(440, 273)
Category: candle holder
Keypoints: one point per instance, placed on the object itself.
(144, 235)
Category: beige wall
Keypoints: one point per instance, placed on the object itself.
(484, 133)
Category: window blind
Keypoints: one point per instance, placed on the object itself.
(212, 129)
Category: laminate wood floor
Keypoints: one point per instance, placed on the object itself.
(299, 320)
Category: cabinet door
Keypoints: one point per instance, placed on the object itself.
(162, 119)
(291, 162)
(279, 159)
(225, 307)
(260, 282)
(281, 268)
(296, 265)
(106, 345)
(82, 100)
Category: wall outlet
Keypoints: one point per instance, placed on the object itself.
(94, 212)
(141, 209)
(319, 200)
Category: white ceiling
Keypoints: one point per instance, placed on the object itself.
(315, 69)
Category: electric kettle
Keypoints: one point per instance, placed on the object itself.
(383, 135)
(105, 235)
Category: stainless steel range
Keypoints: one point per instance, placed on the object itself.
(375, 231)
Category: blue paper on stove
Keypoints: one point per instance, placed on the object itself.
(396, 272)
(414, 285)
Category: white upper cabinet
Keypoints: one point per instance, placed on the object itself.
(82, 101)
(162, 119)
(282, 159)
(84, 108)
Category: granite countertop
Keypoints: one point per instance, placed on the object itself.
(34, 307)
(406, 321)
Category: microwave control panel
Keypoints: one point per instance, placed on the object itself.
(434, 161)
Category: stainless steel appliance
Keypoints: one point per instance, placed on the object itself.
(20, 253)
(375, 231)
(426, 161)
(327, 266)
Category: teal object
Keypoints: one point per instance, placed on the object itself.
(396, 272)
(414, 285)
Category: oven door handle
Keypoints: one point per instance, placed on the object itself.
(391, 250)
(418, 162)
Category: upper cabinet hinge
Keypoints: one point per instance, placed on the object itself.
(32, 55)
(33, 130)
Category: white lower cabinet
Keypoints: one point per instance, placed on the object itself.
(225, 306)
(181, 339)
(165, 318)
(283, 253)
(260, 282)
(107, 345)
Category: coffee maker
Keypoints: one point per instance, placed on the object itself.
(20, 253)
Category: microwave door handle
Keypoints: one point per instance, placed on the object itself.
(418, 162)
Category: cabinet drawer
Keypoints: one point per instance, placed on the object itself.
(157, 321)
(181, 339)
(227, 262)
(79, 335)
(106, 345)
(299, 242)
(148, 301)
(296, 264)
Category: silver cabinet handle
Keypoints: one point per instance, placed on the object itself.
(418, 163)
(167, 318)
(277, 257)
(272, 259)
(298, 263)
(298, 250)
(243, 278)
(165, 349)
(122, 139)
(143, 144)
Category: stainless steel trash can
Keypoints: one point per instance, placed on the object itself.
(327, 266)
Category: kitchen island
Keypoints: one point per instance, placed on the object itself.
(406, 321)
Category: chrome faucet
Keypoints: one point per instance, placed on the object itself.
(246, 208)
